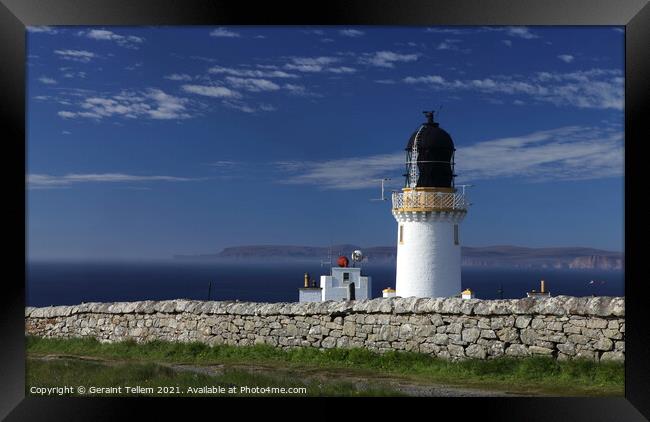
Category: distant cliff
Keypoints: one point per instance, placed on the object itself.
(488, 256)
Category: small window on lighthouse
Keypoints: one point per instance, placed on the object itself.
(401, 233)
(456, 241)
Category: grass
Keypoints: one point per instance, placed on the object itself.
(527, 375)
(166, 381)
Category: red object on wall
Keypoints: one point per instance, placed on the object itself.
(342, 261)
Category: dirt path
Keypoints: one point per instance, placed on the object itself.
(360, 380)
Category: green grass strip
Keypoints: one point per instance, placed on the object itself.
(532, 374)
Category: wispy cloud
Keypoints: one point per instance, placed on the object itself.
(252, 84)
(70, 74)
(47, 81)
(317, 64)
(42, 30)
(512, 31)
(46, 180)
(452, 45)
(213, 91)
(566, 58)
(239, 106)
(251, 73)
(127, 41)
(224, 33)
(178, 77)
(507, 43)
(567, 153)
(343, 174)
(450, 31)
(82, 56)
(152, 103)
(387, 58)
(595, 88)
(352, 33)
(298, 90)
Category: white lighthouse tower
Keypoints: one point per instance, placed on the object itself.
(429, 212)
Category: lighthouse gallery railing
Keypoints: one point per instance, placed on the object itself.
(429, 201)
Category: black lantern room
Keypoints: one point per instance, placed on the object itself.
(433, 156)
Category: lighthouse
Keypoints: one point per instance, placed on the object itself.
(429, 211)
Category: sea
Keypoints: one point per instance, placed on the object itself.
(69, 283)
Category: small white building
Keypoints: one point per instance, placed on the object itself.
(388, 292)
(344, 283)
(310, 292)
(467, 294)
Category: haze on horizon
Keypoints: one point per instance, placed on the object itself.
(147, 142)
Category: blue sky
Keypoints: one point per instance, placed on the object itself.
(144, 142)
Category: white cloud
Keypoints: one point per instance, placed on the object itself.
(312, 64)
(67, 114)
(252, 84)
(567, 153)
(167, 106)
(153, 104)
(42, 30)
(238, 105)
(178, 77)
(127, 41)
(299, 90)
(508, 43)
(512, 31)
(224, 33)
(313, 32)
(342, 69)
(431, 79)
(344, 174)
(73, 75)
(82, 56)
(353, 33)
(452, 31)
(566, 58)
(46, 180)
(47, 81)
(387, 58)
(452, 45)
(211, 91)
(595, 88)
(251, 73)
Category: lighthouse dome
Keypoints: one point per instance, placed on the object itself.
(430, 136)
(433, 156)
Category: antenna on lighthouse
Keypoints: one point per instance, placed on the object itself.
(383, 198)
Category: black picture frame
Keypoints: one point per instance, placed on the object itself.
(15, 15)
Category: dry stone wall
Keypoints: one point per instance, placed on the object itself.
(563, 327)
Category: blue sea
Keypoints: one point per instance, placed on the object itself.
(67, 283)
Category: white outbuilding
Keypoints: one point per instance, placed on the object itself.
(343, 283)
